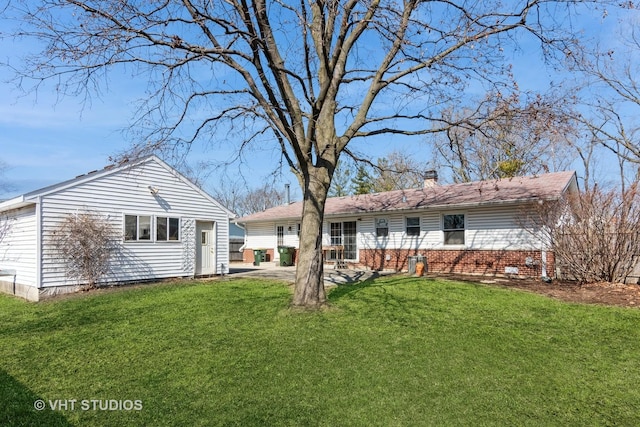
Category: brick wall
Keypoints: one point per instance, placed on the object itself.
(485, 262)
(247, 255)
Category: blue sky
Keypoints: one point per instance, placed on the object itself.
(44, 139)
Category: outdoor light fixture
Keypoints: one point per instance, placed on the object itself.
(153, 190)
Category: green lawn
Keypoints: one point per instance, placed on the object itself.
(398, 351)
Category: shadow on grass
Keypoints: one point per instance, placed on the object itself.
(349, 289)
(345, 289)
(18, 406)
(339, 278)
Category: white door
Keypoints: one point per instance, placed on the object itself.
(205, 248)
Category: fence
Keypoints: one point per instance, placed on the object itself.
(234, 249)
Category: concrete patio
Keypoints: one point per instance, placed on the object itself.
(332, 277)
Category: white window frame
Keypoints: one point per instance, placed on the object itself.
(341, 239)
(453, 230)
(381, 223)
(280, 236)
(406, 226)
(153, 228)
(168, 231)
(137, 236)
(335, 233)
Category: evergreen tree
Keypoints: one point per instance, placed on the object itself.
(362, 182)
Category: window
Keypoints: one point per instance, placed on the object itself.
(344, 234)
(280, 235)
(413, 226)
(137, 227)
(349, 239)
(453, 227)
(336, 234)
(167, 229)
(299, 226)
(382, 227)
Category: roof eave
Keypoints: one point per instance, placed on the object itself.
(16, 203)
(457, 206)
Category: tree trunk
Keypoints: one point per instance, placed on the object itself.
(309, 286)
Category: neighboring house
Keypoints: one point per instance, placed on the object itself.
(471, 228)
(236, 242)
(168, 227)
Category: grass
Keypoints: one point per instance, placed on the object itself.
(394, 352)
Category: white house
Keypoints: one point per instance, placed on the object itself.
(169, 228)
(472, 228)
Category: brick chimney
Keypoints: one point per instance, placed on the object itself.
(430, 179)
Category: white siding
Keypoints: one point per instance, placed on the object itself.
(430, 234)
(431, 227)
(260, 235)
(127, 192)
(367, 235)
(291, 234)
(493, 228)
(326, 233)
(486, 228)
(497, 228)
(18, 246)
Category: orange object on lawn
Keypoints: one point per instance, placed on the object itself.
(419, 269)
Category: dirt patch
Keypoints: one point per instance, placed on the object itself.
(616, 294)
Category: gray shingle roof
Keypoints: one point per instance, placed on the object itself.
(550, 186)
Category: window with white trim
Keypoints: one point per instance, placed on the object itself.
(280, 235)
(336, 233)
(137, 228)
(453, 227)
(344, 234)
(413, 226)
(167, 229)
(382, 227)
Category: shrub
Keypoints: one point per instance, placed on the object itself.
(86, 242)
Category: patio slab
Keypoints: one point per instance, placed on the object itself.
(332, 277)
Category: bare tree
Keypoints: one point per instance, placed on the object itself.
(398, 171)
(506, 136)
(85, 243)
(5, 226)
(310, 76)
(611, 103)
(259, 199)
(235, 196)
(593, 234)
(229, 192)
(395, 171)
(5, 186)
(5, 220)
(615, 100)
